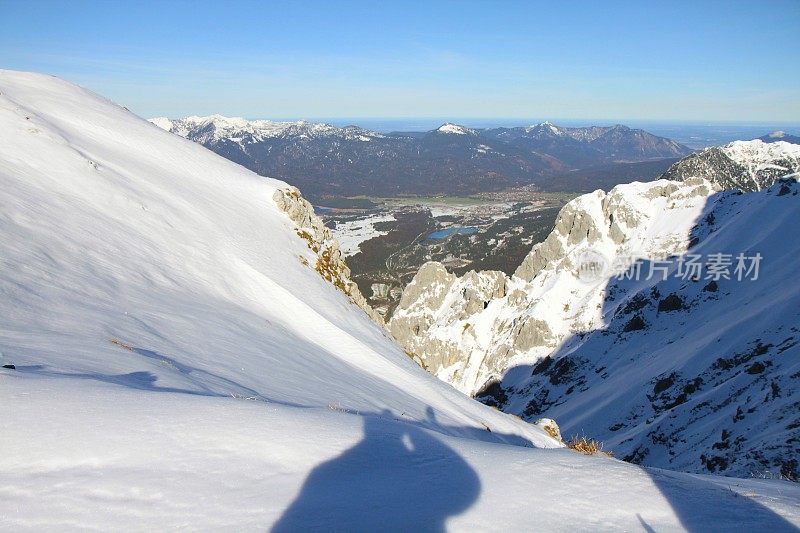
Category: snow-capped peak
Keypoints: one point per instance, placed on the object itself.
(545, 127)
(162, 122)
(745, 165)
(456, 129)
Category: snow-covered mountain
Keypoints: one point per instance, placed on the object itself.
(216, 128)
(547, 129)
(186, 357)
(324, 160)
(592, 145)
(671, 367)
(745, 165)
(455, 129)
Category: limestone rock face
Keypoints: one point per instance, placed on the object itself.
(431, 291)
(428, 288)
(470, 330)
(420, 299)
(329, 261)
(542, 254)
(601, 329)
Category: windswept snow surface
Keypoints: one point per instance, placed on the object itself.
(177, 366)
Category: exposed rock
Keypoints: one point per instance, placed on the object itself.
(673, 302)
(330, 260)
(415, 312)
(635, 324)
(428, 288)
(627, 350)
(441, 316)
(533, 333)
(492, 394)
(479, 290)
(577, 223)
(550, 426)
(711, 286)
(539, 257)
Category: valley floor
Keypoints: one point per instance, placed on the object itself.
(391, 239)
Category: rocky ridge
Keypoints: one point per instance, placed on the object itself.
(625, 360)
(744, 165)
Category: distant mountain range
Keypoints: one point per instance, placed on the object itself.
(325, 160)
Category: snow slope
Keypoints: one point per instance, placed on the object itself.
(179, 366)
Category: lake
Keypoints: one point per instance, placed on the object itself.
(446, 232)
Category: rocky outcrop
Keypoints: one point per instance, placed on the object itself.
(434, 289)
(576, 222)
(468, 329)
(330, 261)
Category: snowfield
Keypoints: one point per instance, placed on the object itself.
(351, 233)
(179, 366)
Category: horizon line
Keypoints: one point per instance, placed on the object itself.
(524, 121)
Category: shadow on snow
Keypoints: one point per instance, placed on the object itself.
(397, 478)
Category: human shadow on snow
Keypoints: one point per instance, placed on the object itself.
(397, 478)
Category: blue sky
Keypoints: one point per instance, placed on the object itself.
(732, 61)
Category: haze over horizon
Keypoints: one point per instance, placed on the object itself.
(620, 61)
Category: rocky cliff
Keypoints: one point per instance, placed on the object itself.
(637, 321)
